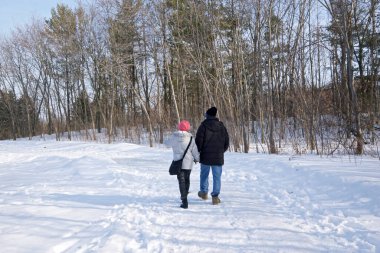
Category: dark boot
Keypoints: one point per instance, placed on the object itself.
(184, 204)
(187, 181)
(184, 182)
(188, 186)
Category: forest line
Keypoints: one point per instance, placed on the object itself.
(300, 72)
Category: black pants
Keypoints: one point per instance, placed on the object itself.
(184, 182)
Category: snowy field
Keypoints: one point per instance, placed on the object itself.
(89, 197)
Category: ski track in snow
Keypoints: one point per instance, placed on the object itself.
(86, 197)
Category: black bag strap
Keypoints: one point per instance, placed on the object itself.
(191, 138)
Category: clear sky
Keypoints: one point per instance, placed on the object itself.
(15, 13)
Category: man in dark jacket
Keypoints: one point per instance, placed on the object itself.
(212, 141)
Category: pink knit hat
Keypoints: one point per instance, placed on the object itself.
(184, 125)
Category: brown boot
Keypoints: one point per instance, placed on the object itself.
(215, 200)
(202, 195)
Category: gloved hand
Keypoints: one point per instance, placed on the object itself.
(195, 161)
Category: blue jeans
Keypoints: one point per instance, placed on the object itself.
(216, 176)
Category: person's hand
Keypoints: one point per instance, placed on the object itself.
(195, 161)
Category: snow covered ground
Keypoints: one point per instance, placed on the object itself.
(89, 197)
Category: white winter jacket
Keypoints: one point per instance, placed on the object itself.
(179, 141)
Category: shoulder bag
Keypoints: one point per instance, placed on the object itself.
(176, 166)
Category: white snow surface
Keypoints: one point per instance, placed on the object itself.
(92, 197)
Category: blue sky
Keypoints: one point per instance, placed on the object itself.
(15, 13)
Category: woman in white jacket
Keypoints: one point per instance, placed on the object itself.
(179, 142)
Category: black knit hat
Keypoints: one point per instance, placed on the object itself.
(212, 111)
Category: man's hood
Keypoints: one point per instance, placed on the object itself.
(213, 125)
